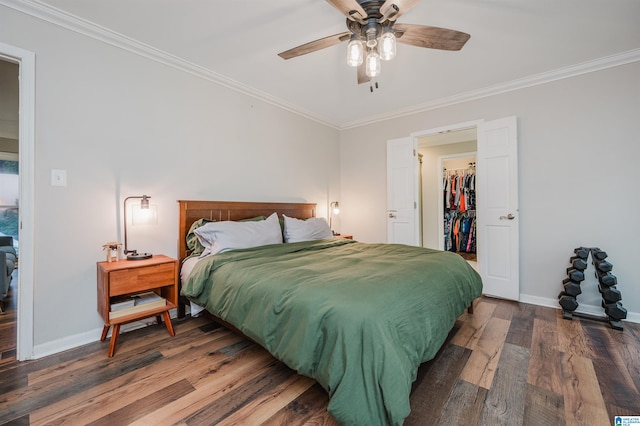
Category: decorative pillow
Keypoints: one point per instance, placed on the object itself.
(217, 237)
(314, 228)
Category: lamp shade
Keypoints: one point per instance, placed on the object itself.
(373, 64)
(387, 46)
(355, 52)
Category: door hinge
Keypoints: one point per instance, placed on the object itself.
(415, 205)
(414, 152)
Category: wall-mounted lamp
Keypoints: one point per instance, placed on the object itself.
(335, 210)
(133, 254)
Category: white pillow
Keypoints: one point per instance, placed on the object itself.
(227, 235)
(314, 228)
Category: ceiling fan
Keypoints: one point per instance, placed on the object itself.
(373, 32)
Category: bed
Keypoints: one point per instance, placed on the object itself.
(358, 318)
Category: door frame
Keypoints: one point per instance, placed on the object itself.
(434, 131)
(482, 126)
(26, 155)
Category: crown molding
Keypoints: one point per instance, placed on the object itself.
(611, 61)
(90, 29)
(71, 22)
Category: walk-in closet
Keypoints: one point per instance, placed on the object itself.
(448, 192)
(459, 206)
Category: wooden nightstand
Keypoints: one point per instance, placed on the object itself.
(128, 277)
(345, 236)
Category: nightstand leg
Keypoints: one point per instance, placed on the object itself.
(167, 321)
(114, 338)
(105, 330)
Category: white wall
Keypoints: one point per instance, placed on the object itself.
(578, 161)
(121, 125)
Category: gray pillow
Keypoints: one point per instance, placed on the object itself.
(218, 237)
(314, 228)
(193, 244)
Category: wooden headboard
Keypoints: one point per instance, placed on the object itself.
(190, 211)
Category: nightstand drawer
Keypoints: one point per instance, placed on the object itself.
(139, 279)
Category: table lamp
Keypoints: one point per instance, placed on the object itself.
(133, 254)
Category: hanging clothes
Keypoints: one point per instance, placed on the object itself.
(459, 201)
(460, 231)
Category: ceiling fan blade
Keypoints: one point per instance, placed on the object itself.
(395, 8)
(430, 37)
(362, 74)
(349, 8)
(315, 45)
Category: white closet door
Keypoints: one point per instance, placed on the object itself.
(402, 192)
(497, 208)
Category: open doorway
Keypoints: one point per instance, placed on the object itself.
(446, 149)
(9, 207)
(497, 221)
(458, 212)
(24, 81)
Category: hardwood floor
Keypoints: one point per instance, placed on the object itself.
(507, 363)
(8, 324)
(468, 256)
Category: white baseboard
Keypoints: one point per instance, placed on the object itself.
(582, 308)
(74, 341)
(71, 342)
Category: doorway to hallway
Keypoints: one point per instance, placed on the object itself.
(25, 128)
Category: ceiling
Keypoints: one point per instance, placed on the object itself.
(238, 42)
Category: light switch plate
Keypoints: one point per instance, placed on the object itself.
(58, 177)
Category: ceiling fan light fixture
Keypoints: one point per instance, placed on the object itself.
(355, 52)
(373, 35)
(387, 46)
(373, 64)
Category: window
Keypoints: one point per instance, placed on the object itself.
(9, 195)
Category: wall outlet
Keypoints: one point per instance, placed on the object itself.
(58, 177)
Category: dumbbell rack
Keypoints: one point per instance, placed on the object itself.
(611, 296)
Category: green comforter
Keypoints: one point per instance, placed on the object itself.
(358, 318)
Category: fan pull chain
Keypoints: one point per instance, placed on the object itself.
(371, 86)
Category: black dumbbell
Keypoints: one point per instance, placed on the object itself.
(568, 303)
(578, 263)
(615, 311)
(571, 288)
(598, 254)
(581, 252)
(610, 294)
(575, 275)
(607, 279)
(603, 266)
